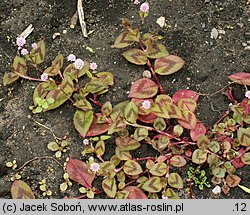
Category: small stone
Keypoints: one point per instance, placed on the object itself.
(244, 44)
(206, 1)
(146, 74)
(240, 24)
(222, 32)
(214, 33)
(247, 48)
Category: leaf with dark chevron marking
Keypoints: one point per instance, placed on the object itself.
(136, 56)
(168, 65)
(109, 187)
(131, 112)
(143, 88)
(175, 180)
(153, 185)
(132, 168)
(243, 135)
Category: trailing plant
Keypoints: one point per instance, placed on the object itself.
(165, 123)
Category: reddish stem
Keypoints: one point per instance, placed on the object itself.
(241, 154)
(155, 76)
(145, 158)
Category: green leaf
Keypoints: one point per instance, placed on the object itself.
(109, 187)
(123, 40)
(153, 185)
(158, 169)
(135, 56)
(9, 78)
(132, 168)
(243, 135)
(214, 146)
(117, 125)
(61, 95)
(21, 190)
(123, 155)
(20, 66)
(107, 168)
(131, 112)
(171, 194)
(246, 158)
(199, 156)
(156, 50)
(168, 65)
(161, 144)
(143, 88)
(203, 142)
(106, 77)
(159, 110)
(233, 180)
(42, 89)
(219, 172)
(118, 110)
(178, 161)
(79, 172)
(178, 130)
(175, 180)
(53, 146)
(173, 111)
(140, 133)
(106, 108)
(82, 121)
(58, 61)
(160, 124)
(247, 190)
(37, 55)
(100, 148)
(52, 71)
(83, 104)
(95, 86)
(189, 120)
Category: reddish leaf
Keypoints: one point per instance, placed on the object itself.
(97, 129)
(189, 120)
(79, 172)
(240, 78)
(168, 65)
(123, 40)
(233, 180)
(238, 162)
(150, 118)
(135, 193)
(143, 88)
(21, 190)
(197, 131)
(185, 94)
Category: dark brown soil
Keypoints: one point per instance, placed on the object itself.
(208, 63)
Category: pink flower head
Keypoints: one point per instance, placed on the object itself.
(20, 41)
(79, 63)
(34, 45)
(44, 76)
(94, 167)
(71, 57)
(247, 94)
(24, 52)
(93, 66)
(85, 142)
(136, 2)
(144, 7)
(146, 104)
